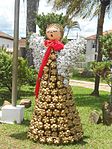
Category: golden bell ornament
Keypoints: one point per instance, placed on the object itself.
(71, 139)
(45, 77)
(34, 131)
(49, 62)
(41, 98)
(59, 84)
(46, 91)
(62, 91)
(49, 112)
(70, 116)
(63, 113)
(65, 126)
(53, 78)
(65, 140)
(51, 85)
(46, 69)
(40, 104)
(52, 105)
(40, 133)
(45, 105)
(65, 120)
(47, 126)
(48, 98)
(62, 98)
(42, 112)
(60, 78)
(61, 127)
(56, 112)
(45, 119)
(40, 125)
(53, 56)
(55, 99)
(47, 133)
(30, 135)
(71, 103)
(54, 134)
(31, 127)
(49, 140)
(67, 133)
(42, 139)
(44, 84)
(59, 105)
(53, 72)
(60, 120)
(56, 140)
(61, 134)
(52, 120)
(70, 123)
(72, 109)
(53, 65)
(54, 92)
(54, 127)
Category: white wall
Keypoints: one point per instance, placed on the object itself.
(7, 43)
(90, 51)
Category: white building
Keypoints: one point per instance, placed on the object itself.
(91, 50)
(6, 41)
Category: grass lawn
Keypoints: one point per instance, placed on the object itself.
(95, 136)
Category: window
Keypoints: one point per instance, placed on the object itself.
(94, 45)
(95, 57)
(7, 45)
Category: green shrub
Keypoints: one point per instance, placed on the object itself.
(26, 75)
(75, 72)
(88, 72)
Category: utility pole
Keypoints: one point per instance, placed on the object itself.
(15, 52)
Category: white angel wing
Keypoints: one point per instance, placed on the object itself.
(38, 49)
(68, 56)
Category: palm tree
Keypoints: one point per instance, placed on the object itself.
(32, 9)
(103, 7)
(86, 8)
(71, 24)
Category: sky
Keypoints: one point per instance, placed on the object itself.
(88, 27)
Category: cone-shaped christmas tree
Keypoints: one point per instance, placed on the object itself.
(55, 118)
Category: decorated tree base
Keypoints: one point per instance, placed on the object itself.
(55, 118)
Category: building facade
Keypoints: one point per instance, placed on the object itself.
(6, 41)
(91, 49)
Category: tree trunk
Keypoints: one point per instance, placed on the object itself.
(31, 12)
(101, 17)
(32, 9)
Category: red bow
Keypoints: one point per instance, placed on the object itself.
(51, 44)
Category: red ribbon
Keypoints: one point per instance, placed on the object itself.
(51, 44)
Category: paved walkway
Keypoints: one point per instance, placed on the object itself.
(103, 87)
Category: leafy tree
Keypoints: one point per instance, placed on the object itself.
(103, 68)
(43, 20)
(85, 9)
(106, 42)
(32, 9)
(26, 75)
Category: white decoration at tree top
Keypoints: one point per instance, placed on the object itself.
(65, 58)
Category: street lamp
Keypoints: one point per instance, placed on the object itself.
(12, 113)
(15, 52)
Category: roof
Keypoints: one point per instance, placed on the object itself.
(22, 42)
(6, 36)
(93, 37)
